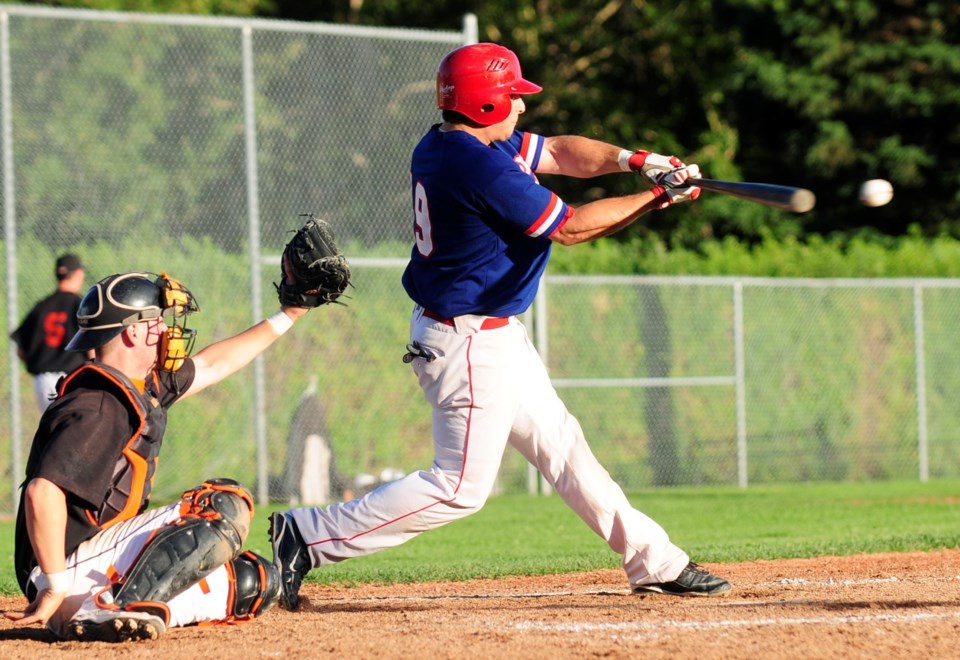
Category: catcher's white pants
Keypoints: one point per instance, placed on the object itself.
(98, 561)
(489, 387)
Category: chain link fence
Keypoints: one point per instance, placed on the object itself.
(721, 380)
(191, 145)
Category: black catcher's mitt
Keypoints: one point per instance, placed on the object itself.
(322, 274)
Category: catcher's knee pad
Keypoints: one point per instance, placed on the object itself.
(255, 586)
(214, 522)
(221, 500)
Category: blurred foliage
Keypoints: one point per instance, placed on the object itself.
(866, 254)
(822, 95)
(216, 7)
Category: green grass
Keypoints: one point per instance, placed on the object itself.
(521, 535)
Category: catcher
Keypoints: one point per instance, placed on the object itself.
(92, 560)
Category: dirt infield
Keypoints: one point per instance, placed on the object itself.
(868, 606)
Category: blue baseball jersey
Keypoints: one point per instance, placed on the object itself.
(482, 224)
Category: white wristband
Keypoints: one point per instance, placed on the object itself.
(56, 582)
(280, 322)
(624, 160)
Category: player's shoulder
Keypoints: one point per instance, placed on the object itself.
(97, 387)
(517, 140)
(86, 404)
(458, 156)
(55, 301)
(44, 303)
(455, 144)
(86, 420)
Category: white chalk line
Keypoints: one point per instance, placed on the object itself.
(646, 628)
(830, 582)
(497, 596)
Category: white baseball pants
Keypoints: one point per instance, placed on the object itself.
(489, 387)
(97, 562)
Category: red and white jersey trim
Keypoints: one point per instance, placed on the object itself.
(549, 220)
(530, 149)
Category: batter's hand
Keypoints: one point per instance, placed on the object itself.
(677, 178)
(44, 606)
(653, 166)
(684, 191)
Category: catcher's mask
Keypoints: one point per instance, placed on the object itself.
(478, 80)
(118, 301)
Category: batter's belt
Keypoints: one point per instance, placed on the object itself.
(491, 323)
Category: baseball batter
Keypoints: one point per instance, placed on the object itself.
(483, 230)
(92, 560)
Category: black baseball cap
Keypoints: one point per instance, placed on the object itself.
(67, 264)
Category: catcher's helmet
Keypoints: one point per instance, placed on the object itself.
(120, 300)
(477, 81)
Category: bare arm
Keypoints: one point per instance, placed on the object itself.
(226, 357)
(45, 509)
(581, 157)
(605, 216)
(576, 156)
(45, 505)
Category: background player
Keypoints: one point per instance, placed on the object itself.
(48, 327)
(484, 227)
(93, 561)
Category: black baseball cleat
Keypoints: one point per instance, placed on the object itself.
(115, 626)
(290, 556)
(694, 580)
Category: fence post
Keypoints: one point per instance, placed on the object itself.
(741, 383)
(535, 482)
(469, 29)
(10, 236)
(922, 450)
(256, 292)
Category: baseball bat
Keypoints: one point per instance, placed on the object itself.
(798, 200)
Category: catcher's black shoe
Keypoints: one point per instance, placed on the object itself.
(115, 626)
(290, 556)
(694, 580)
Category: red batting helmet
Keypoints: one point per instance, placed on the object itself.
(477, 81)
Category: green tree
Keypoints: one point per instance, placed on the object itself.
(834, 93)
(127, 121)
(213, 7)
(818, 94)
(814, 93)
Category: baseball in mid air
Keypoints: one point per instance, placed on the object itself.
(876, 192)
